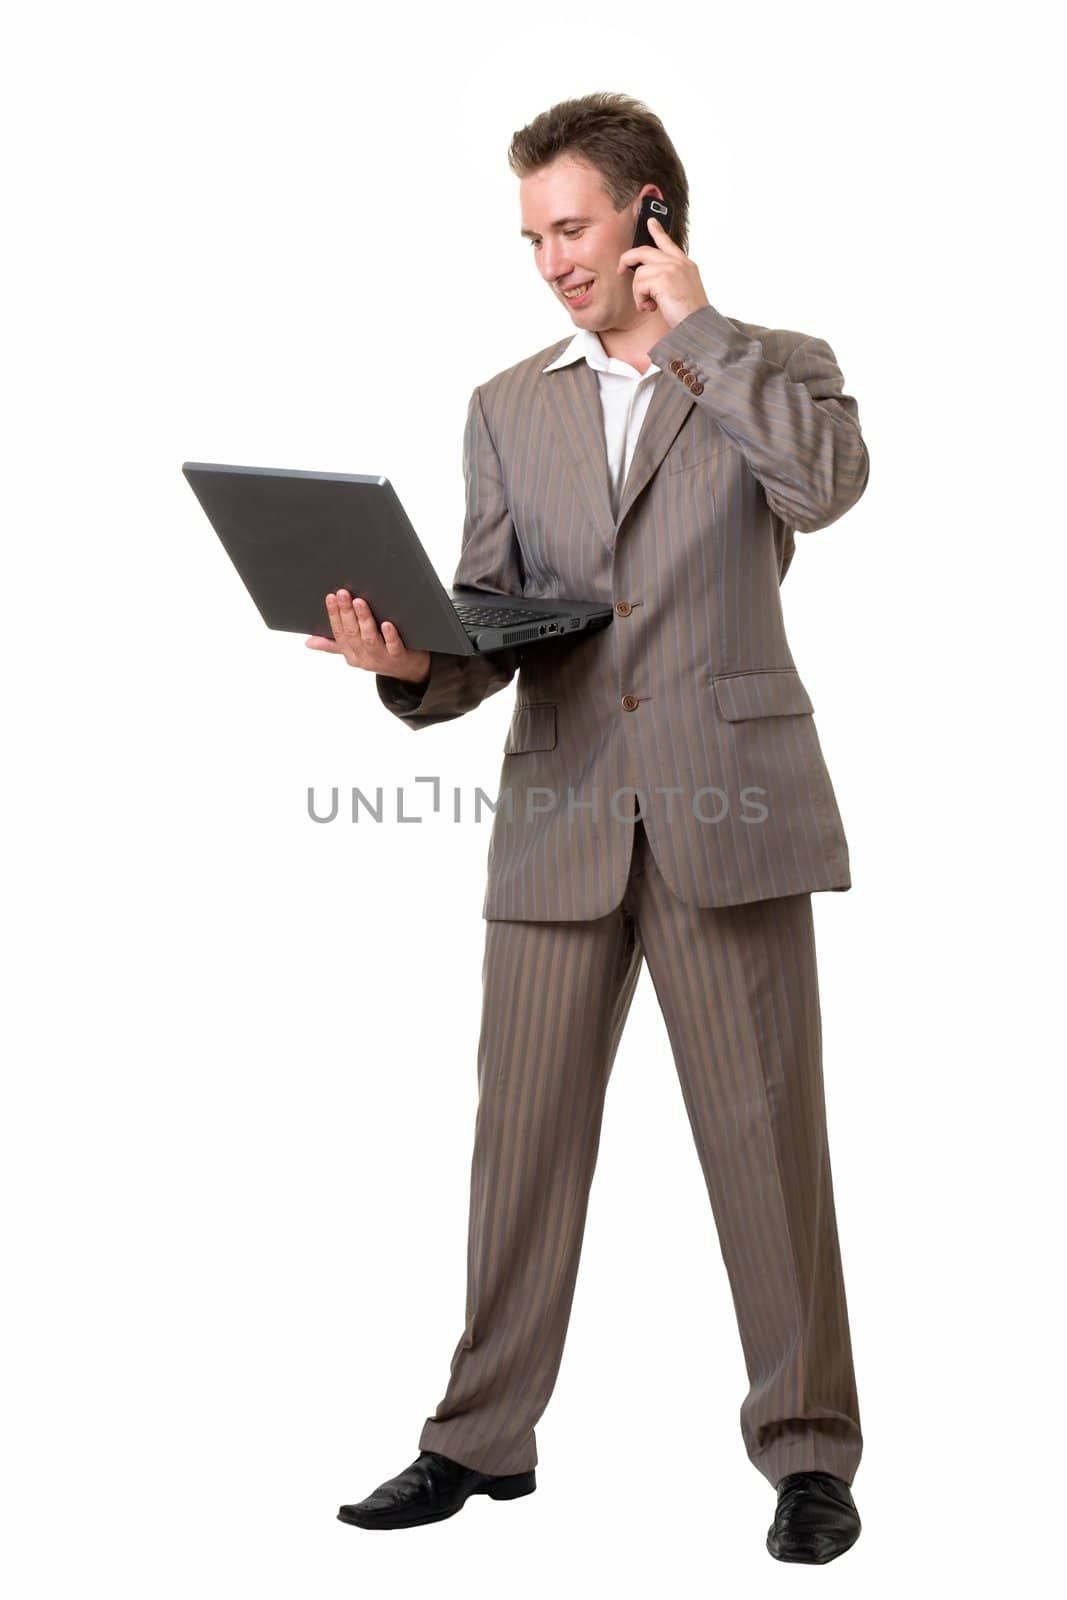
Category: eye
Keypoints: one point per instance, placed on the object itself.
(568, 233)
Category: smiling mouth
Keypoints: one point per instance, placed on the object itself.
(577, 291)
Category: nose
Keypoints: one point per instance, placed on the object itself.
(554, 259)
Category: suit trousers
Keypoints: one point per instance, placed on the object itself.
(738, 989)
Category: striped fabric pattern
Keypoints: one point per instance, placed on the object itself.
(738, 989)
(690, 699)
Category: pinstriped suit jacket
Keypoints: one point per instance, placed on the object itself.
(690, 697)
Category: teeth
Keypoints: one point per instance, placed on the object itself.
(572, 294)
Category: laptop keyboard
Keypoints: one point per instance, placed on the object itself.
(479, 616)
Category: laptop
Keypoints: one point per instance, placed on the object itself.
(295, 537)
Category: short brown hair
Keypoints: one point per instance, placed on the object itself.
(621, 138)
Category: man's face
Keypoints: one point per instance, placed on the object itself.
(577, 238)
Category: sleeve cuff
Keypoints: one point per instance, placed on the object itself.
(442, 691)
(704, 335)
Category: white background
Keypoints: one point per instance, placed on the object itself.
(240, 1085)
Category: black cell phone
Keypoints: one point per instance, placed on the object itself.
(650, 207)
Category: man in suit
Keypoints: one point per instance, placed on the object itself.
(663, 797)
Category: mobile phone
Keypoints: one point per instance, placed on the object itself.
(650, 207)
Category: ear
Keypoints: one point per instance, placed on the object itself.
(635, 204)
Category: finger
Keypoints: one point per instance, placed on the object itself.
(353, 635)
(394, 644)
(317, 642)
(638, 255)
(644, 297)
(346, 637)
(663, 239)
(363, 620)
(367, 640)
(333, 611)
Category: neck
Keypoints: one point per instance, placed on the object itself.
(633, 344)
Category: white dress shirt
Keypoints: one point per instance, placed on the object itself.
(624, 397)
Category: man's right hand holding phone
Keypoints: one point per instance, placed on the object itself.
(356, 637)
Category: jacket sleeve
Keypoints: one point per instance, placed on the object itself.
(489, 559)
(798, 430)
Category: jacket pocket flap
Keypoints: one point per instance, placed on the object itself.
(762, 694)
(690, 452)
(533, 727)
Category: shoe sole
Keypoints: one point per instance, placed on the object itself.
(510, 1488)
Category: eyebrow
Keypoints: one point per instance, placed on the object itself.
(529, 233)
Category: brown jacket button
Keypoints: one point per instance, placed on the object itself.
(676, 365)
(629, 702)
(688, 380)
(698, 388)
(623, 608)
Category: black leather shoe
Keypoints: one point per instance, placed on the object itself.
(815, 1520)
(432, 1488)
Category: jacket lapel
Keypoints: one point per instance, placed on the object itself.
(571, 398)
(667, 410)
